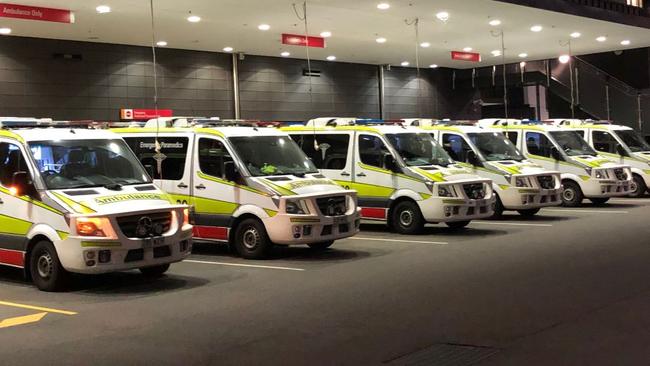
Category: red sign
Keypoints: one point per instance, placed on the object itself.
(466, 56)
(144, 114)
(301, 40)
(36, 13)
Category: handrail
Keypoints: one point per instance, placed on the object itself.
(611, 80)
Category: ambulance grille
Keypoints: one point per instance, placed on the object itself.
(620, 174)
(129, 224)
(332, 206)
(474, 191)
(546, 181)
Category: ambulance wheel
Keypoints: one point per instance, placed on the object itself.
(155, 271)
(251, 240)
(572, 195)
(45, 268)
(322, 245)
(529, 212)
(498, 208)
(637, 187)
(406, 218)
(599, 201)
(457, 224)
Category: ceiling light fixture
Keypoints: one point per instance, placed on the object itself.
(536, 28)
(263, 27)
(495, 22)
(103, 9)
(227, 49)
(626, 42)
(326, 34)
(564, 59)
(576, 35)
(601, 39)
(496, 53)
(331, 58)
(523, 55)
(443, 16)
(433, 66)
(194, 19)
(5, 31)
(405, 63)
(468, 49)
(380, 40)
(383, 6)
(161, 43)
(285, 54)
(425, 44)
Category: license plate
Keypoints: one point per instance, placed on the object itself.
(152, 242)
(340, 220)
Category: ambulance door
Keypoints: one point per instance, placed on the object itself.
(331, 152)
(373, 180)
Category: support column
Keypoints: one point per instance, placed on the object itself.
(382, 93)
(235, 85)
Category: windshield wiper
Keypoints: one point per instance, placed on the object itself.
(113, 187)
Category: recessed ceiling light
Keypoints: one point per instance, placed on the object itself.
(523, 55)
(564, 59)
(383, 6)
(433, 66)
(194, 19)
(326, 34)
(576, 35)
(601, 39)
(5, 31)
(380, 40)
(405, 63)
(468, 49)
(285, 54)
(103, 9)
(496, 53)
(161, 43)
(443, 16)
(626, 42)
(425, 44)
(263, 27)
(536, 28)
(331, 58)
(227, 49)
(495, 22)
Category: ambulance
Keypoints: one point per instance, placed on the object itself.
(249, 186)
(76, 199)
(519, 184)
(585, 173)
(619, 143)
(402, 176)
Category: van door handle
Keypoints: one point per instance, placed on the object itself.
(200, 186)
(345, 174)
(1, 201)
(361, 175)
(182, 185)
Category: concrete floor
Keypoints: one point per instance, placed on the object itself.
(568, 287)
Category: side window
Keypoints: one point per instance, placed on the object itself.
(212, 156)
(174, 149)
(11, 161)
(333, 151)
(604, 141)
(456, 146)
(513, 136)
(372, 150)
(538, 144)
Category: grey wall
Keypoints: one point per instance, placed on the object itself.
(107, 78)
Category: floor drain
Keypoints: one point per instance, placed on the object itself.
(444, 354)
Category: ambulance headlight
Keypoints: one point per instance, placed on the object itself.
(521, 182)
(445, 191)
(94, 226)
(296, 208)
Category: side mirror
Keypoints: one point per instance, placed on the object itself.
(472, 158)
(621, 150)
(230, 171)
(555, 153)
(391, 164)
(22, 183)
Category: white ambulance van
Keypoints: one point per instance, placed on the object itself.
(249, 186)
(585, 173)
(403, 177)
(74, 199)
(619, 143)
(519, 184)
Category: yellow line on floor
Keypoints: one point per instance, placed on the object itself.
(37, 308)
(397, 240)
(21, 320)
(242, 265)
(584, 211)
(509, 223)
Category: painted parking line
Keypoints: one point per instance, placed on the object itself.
(398, 240)
(242, 265)
(31, 318)
(21, 320)
(37, 308)
(630, 200)
(507, 223)
(585, 211)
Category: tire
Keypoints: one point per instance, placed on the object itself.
(322, 245)
(529, 212)
(251, 240)
(457, 224)
(406, 218)
(498, 208)
(155, 271)
(599, 201)
(45, 268)
(572, 195)
(639, 187)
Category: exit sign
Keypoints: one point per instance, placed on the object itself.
(466, 56)
(301, 40)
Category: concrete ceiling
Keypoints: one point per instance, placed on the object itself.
(354, 24)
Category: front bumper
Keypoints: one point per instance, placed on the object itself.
(441, 209)
(594, 188)
(530, 198)
(286, 229)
